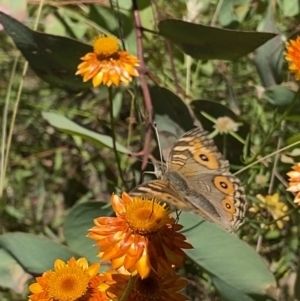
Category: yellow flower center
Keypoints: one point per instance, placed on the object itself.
(146, 289)
(106, 46)
(146, 216)
(68, 283)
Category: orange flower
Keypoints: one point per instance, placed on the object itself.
(294, 182)
(293, 57)
(71, 281)
(154, 287)
(106, 65)
(142, 237)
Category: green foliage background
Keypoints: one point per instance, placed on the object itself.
(203, 60)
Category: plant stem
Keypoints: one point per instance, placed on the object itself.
(112, 124)
(15, 110)
(129, 288)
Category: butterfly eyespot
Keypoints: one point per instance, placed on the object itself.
(228, 206)
(203, 157)
(224, 185)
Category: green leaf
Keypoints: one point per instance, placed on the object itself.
(172, 118)
(207, 42)
(233, 12)
(76, 226)
(35, 254)
(293, 139)
(53, 58)
(166, 103)
(290, 8)
(268, 57)
(278, 95)
(236, 269)
(12, 275)
(67, 126)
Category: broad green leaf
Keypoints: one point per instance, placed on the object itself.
(53, 58)
(233, 12)
(290, 8)
(166, 103)
(207, 42)
(268, 57)
(171, 115)
(278, 95)
(233, 264)
(35, 254)
(12, 275)
(67, 126)
(228, 292)
(76, 226)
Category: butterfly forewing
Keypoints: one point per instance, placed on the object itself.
(160, 189)
(197, 178)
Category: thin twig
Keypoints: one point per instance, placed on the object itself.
(131, 117)
(71, 2)
(278, 123)
(216, 14)
(40, 155)
(275, 162)
(16, 105)
(112, 125)
(144, 86)
(266, 157)
(4, 125)
(270, 190)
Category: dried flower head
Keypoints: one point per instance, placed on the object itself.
(224, 125)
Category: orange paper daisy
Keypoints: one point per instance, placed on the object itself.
(293, 56)
(154, 287)
(294, 182)
(142, 237)
(107, 65)
(71, 281)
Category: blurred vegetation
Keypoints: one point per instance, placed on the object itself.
(60, 174)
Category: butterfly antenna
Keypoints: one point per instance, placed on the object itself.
(158, 142)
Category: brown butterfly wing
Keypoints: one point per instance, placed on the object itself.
(163, 191)
(209, 183)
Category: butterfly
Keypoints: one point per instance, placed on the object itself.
(196, 178)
